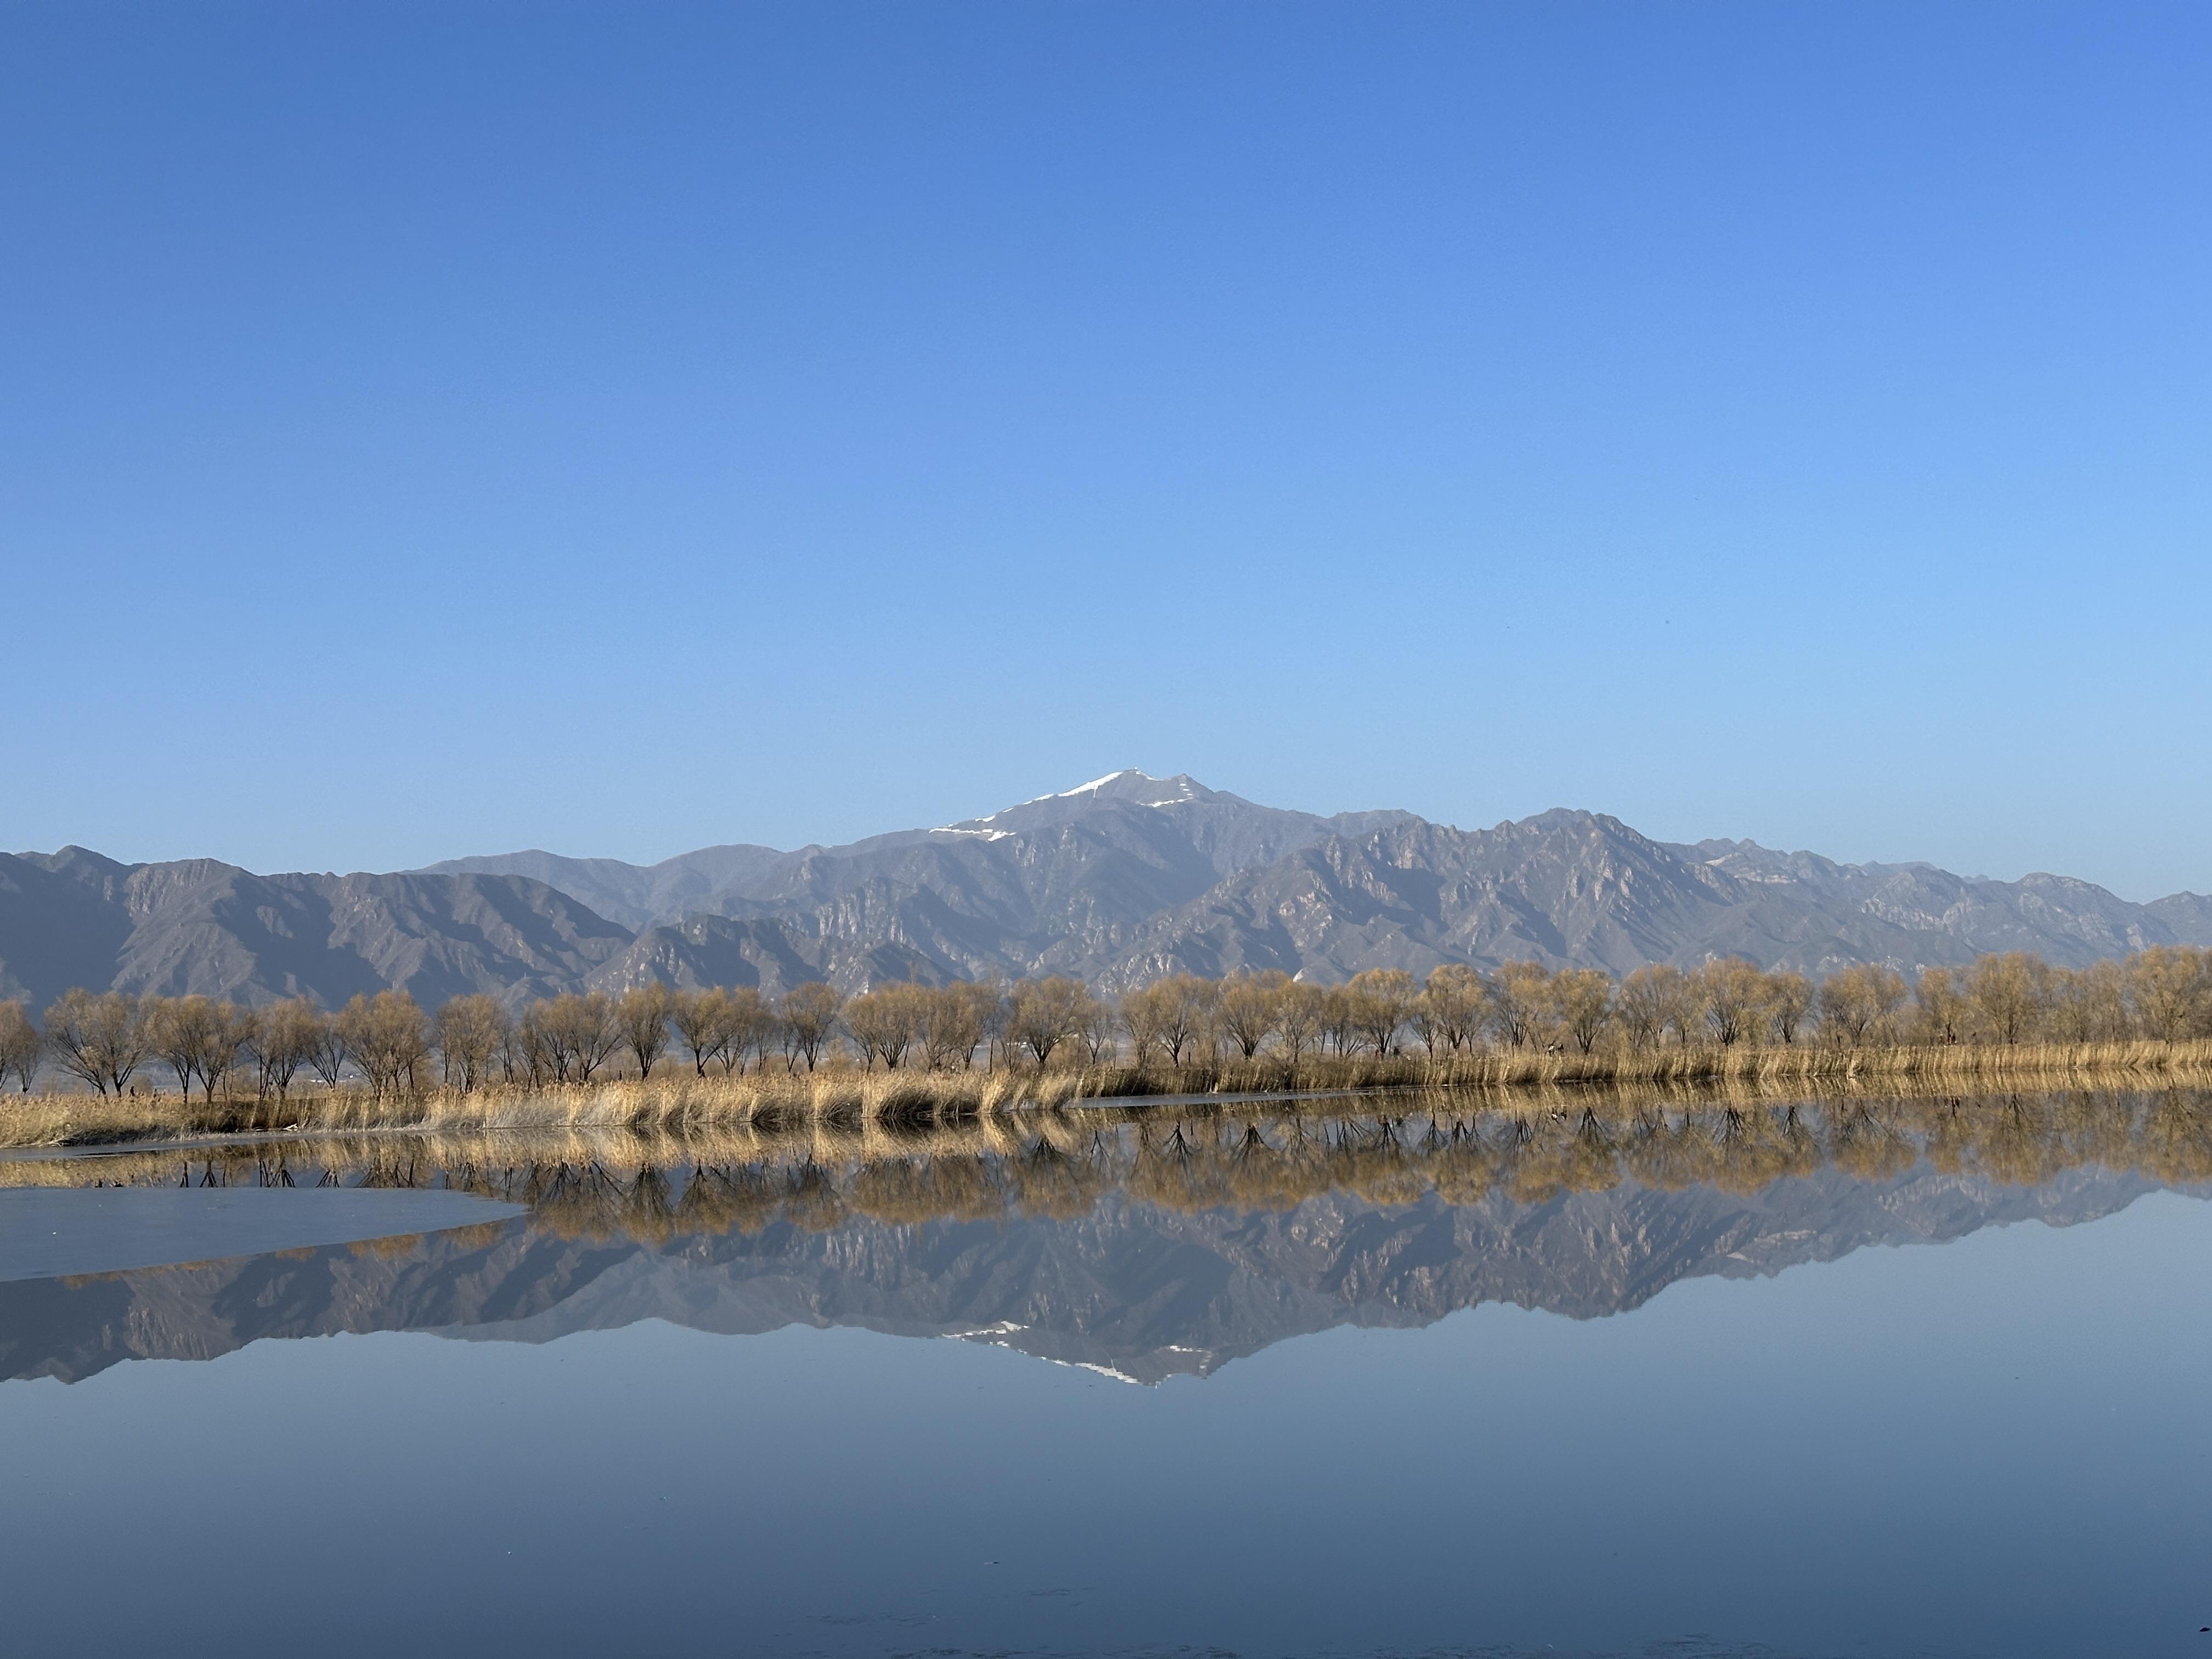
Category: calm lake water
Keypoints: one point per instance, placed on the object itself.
(1865, 1379)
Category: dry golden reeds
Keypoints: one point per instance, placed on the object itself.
(656, 1182)
(843, 1099)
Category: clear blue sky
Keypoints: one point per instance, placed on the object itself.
(444, 429)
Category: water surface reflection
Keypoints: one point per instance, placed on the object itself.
(1997, 1447)
(1143, 1245)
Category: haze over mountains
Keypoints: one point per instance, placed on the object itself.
(1116, 882)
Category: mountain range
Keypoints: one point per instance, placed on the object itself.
(1116, 882)
(1133, 1290)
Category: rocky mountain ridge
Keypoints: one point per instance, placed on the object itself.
(1116, 882)
(75, 918)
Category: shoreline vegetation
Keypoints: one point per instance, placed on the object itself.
(680, 1060)
(818, 1173)
(679, 1103)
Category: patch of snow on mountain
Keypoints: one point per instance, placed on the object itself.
(1098, 783)
(1085, 789)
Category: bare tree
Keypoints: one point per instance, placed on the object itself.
(1100, 1030)
(809, 1013)
(1854, 1003)
(1735, 995)
(566, 1039)
(1518, 994)
(2090, 1005)
(21, 1045)
(1942, 1004)
(1582, 1001)
(1422, 1016)
(1788, 1000)
(404, 1033)
(1144, 1016)
(1458, 1003)
(1340, 1020)
(987, 1009)
(877, 1026)
(467, 1032)
(355, 1026)
(197, 1036)
(751, 1026)
(1041, 1013)
(2010, 993)
(100, 1039)
(701, 1023)
(952, 1024)
(1647, 1001)
(2167, 985)
(387, 1036)
(1250, 1007)
(284, 1042)
(231, 1035)
(1380, 999)
(1298, 1023)
(1188, 1005)
(513, 1054)
(326, 1052)
(175, 1028)
(584, 1031)
(641, 1017)
(538, 1046)
(885, 1022)
(1685, 1013)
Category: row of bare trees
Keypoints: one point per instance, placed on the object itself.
(105, 1040)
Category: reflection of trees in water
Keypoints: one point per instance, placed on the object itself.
(1233, 1156)
(1865, 1140)
(742, 1198)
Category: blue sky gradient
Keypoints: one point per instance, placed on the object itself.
(428, 429)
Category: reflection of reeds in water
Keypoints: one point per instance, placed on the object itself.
(657, 1184)
(838, 1097)
(841, 1101)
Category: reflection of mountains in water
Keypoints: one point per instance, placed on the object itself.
(1143, 1251)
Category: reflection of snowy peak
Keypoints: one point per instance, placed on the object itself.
(1129, 1290)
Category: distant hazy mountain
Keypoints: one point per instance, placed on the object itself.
(1061, 883)
(75, 918)
(1118, 881)
(1162, 839)
(1133, 877)
(632, 894)
(1584, 890)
